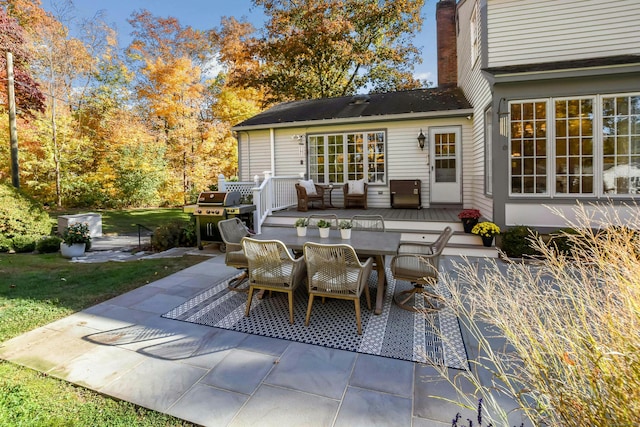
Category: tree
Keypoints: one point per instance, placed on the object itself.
(326, 48)
(29, 97)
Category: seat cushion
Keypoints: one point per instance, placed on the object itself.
(309, 186)
(356, 187)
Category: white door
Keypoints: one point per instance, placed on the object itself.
(444, 143)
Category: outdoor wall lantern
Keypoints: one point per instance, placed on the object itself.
(421, 140)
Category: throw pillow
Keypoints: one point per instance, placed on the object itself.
(309, 187)
(356, 187)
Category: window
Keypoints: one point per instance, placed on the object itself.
(474, 30)
(621, 145)
(588, 146)
(528, 147)
(488, 152)
(348, 156)
(574, 146)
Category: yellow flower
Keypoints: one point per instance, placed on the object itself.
(486, 229)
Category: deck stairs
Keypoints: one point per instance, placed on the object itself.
(461, 243)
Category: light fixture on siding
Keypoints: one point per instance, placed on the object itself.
(421, 140)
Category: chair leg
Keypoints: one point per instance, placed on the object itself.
(306, 320)
(234, 285)
(290, 295)
(249, 298)
(367, 296)
(357, 304)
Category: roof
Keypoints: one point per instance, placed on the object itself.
(565, 65)
(375, 105)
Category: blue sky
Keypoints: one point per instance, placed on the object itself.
(205, 14)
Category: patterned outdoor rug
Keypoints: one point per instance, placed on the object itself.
(395, 333)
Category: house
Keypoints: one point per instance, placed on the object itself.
(538, 103)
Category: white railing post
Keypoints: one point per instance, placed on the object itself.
(222, 183)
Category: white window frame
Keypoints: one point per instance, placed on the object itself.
(474, 33)
(598, 146)
(326, 178)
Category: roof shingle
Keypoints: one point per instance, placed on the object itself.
(375, 104)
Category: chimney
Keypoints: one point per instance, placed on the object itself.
(447, 51)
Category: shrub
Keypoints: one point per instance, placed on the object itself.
(173, 234)
(561, 241)
(561, 340)
(22, 244)
(21, 215)
(516, 241)
(49, 244)
(5, 244)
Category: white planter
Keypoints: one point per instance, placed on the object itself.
(73, 250)
(345, 233)
(324, 232)
(302, 231)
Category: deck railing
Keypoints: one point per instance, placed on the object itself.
(274, 193)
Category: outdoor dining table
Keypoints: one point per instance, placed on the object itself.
(375, 244)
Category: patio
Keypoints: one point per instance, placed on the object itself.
(218, 377)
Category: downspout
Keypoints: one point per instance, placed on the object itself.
(239, 139)
(272, 142)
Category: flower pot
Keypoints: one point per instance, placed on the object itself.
(324, 232)
(73, 250)
(468, 224)
(302, 231)
(345, 233)
(487, 241)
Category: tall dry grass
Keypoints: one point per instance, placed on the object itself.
(570, 325)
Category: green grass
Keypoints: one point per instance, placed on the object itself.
(125, 221)
(38, 289)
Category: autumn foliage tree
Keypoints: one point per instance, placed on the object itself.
(325, 48)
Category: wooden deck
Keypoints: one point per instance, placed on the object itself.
(428, 214)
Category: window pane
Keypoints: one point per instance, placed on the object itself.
(528, 147)
(574, 145)
(341, 157)
(621, 165)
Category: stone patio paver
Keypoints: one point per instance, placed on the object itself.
(216, 377)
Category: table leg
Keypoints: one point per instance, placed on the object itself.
(382, 280)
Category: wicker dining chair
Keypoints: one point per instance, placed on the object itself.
(232, 231)
(312, 220)
(334, 271)
(272, 268)
(418, 263)
(368, 223)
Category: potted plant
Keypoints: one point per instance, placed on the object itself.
(75, 239)
(323, 228)
(345, 229)
(487, 230)
(301, 227)
(469, 218)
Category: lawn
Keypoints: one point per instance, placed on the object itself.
(38, 289)
(126, 221)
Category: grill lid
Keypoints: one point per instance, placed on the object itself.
(219, 198)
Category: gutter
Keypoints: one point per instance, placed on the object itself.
(362, 119)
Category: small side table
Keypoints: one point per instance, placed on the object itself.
(328, 188)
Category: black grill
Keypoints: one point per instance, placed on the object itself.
(213, 207)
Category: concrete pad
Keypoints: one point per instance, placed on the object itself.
(98, 367)
(208, 406)
(241, 371)
(383, 374)
(319, 370)
(155, 384)
(277, 407)
(372, 408)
